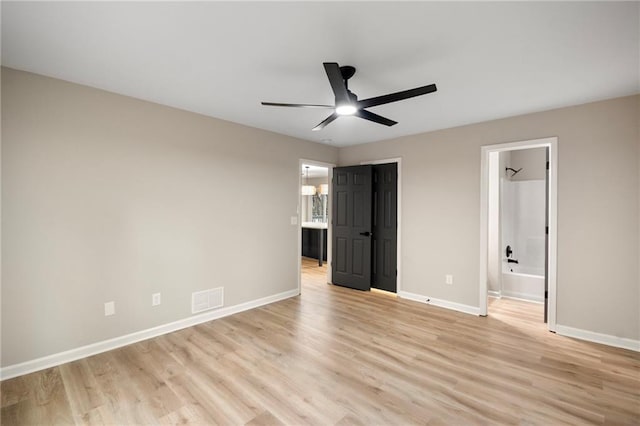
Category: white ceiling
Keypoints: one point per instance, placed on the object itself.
(489, 60)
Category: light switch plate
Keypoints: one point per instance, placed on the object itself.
(294, 220)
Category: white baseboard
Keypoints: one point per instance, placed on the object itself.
(473, 310)
(527, 297)
(494, 293)
(117, 342)
(605, 339)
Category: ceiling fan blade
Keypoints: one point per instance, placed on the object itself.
(326, 121)
(296, 105)
(367, 115)
(337, 83)
(398, 96)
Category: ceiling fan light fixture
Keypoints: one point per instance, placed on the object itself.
(346, 109)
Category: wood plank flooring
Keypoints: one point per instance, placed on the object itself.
(344, 357)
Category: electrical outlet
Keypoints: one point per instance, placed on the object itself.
(155, 299)
(109, 309)
(448, 279)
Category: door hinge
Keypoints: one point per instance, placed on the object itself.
(547, 165)
(546, 230)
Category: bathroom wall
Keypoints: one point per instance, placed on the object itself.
(523, 208)
(496, 249)
(523, 217)
(494, 240)
(531, 161)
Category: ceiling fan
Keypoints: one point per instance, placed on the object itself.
(347, 102)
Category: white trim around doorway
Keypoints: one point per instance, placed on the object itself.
(330, 167)
(552, 144)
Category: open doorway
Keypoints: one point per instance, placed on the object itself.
(518, 230)
(314, 236)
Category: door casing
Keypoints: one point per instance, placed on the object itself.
(330, 167)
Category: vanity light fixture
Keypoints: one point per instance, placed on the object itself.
(308, 189)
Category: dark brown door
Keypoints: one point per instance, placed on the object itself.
(385, 226)
(351, 222)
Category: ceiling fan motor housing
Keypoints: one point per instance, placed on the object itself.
(347, 72)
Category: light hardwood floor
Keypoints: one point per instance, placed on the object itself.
(340, 356)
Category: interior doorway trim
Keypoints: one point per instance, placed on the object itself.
(398, 161)
(330, 167)
(552, 248)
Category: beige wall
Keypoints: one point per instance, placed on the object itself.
(108, 198)
(598, 209)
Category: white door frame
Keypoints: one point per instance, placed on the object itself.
(397, 160)
(330, 167)
(552, 248)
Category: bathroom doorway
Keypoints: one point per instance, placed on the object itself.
(518, 231)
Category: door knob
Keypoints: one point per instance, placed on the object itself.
(366, 234)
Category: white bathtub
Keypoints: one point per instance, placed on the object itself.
(522, 282)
